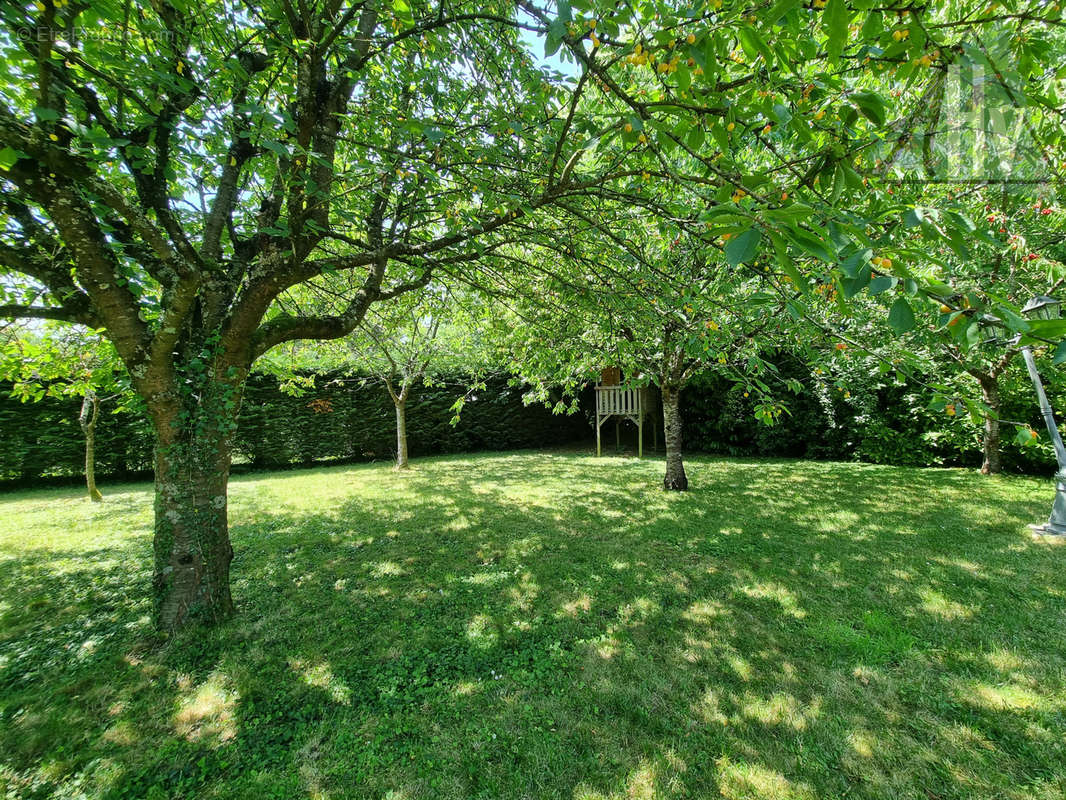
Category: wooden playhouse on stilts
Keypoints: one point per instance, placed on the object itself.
(635, 403)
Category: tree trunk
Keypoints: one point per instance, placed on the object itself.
(192, 547)
(675, 478)
(990, 439)
(90, 409)
(401, 430)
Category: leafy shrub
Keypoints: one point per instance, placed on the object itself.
(863, 414)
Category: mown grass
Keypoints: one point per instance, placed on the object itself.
(548, 625)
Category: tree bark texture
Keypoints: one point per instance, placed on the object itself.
(990, 440)
(675, 478)
(401, 431)
(191, 544)
(90, 409)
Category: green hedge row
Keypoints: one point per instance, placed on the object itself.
(340, 419)
(874, 421)
(352, 419)
(43, 439)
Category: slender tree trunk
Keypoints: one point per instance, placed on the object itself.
(675, 478)
(401, 430)
(990, 439)
(90, 409)
(192, 547)
(399, 399)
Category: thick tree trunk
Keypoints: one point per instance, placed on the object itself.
(990, 439)
(675, 478)
(90, 409)
(401, 431)
(192, 547)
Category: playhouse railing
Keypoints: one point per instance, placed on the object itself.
(629, 403)
(617, 400)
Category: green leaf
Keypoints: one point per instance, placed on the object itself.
(872, 106)
(835, 20)
(838, 185)
(275, 146)
(851, 265)
(553, 40)
(799, 124)
(787, 264)
(1048, 328)
(913, 217)
(855, 285)
(779, 10)
(684, 78)
(753, 45)
(743, 248)
(1060, 353)
(900, 316)
(881, 283)
(939, 288)
(961, 222)
(721, 136)
(402, 11)
(8, 158)
(811, 244)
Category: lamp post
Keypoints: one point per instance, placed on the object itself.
(1042, 307)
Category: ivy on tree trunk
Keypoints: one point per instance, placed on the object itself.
(192, 463)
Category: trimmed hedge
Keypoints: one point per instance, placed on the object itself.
(352, 419)
(875, 422)
(341, 419)
(43, 439)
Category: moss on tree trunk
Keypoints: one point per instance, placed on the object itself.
(192, 548)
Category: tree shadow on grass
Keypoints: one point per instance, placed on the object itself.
(552, 626)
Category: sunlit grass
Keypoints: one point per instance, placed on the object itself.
(548, 625)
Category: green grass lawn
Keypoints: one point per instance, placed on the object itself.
(548, 625)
